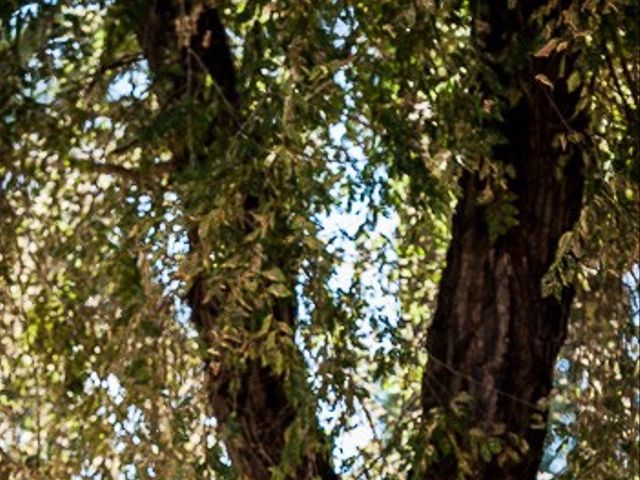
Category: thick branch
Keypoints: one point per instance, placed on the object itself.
(251, 403)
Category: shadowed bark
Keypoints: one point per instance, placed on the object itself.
(494, 335)
(182, 43)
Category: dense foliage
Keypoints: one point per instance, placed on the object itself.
(137, 184)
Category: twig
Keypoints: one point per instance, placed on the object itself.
(124, 172)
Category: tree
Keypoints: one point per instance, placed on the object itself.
(495, 335)
(166, 165)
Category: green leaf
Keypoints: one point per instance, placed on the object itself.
(573, 81)
(279, 290)
(274, 274)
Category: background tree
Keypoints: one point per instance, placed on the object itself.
(172, 299)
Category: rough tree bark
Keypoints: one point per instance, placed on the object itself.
(494, 335)
(182, 41)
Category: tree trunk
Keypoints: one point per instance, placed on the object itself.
(494, 335)
(250, 402)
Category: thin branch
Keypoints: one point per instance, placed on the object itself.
(130, 174)
(627, 108)
(124, 61)
(631, 82)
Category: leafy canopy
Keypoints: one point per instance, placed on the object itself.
(367, 109)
